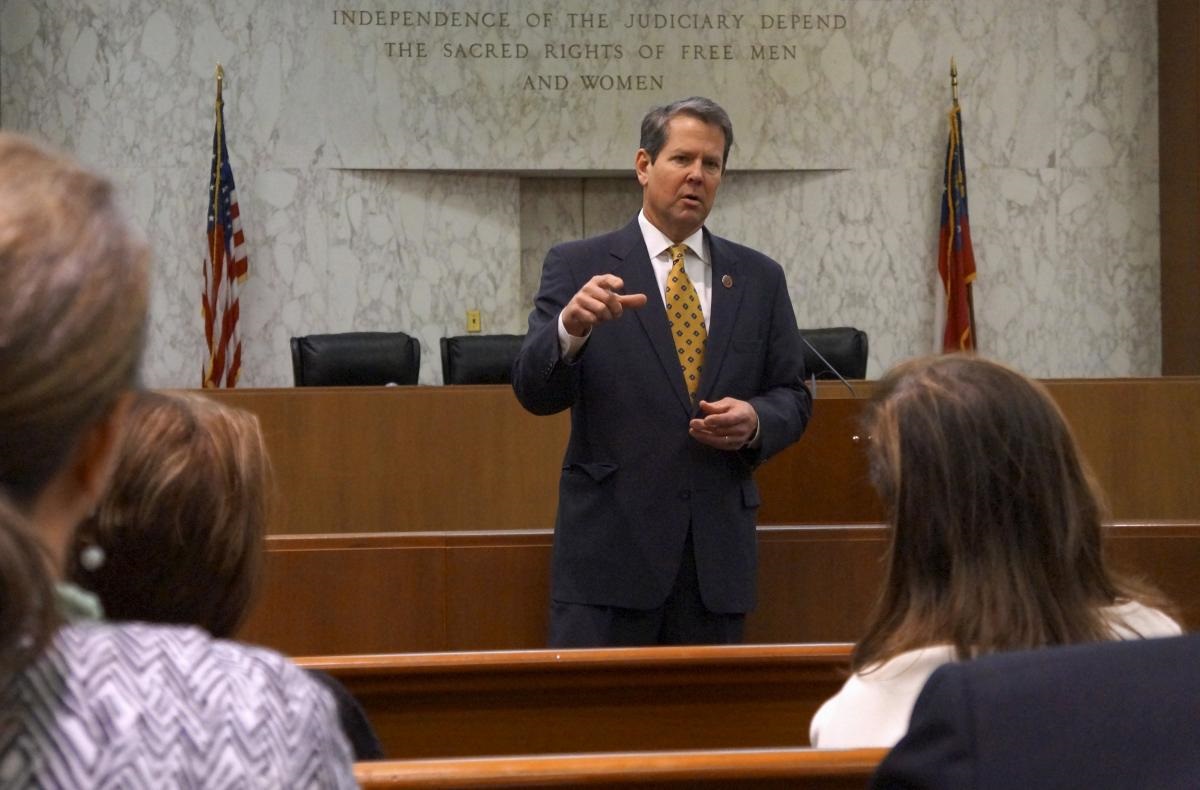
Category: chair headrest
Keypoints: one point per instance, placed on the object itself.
(479, 359)
(350, 359)
(845, 347)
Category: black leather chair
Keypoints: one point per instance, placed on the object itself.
(355, 359)
(479, 359)
(844, 347)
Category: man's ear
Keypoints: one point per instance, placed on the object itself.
(641, 164)
(95, 456)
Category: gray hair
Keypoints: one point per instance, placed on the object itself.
(654, 125)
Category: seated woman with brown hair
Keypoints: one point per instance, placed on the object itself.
(89, 704)
(994, 545)
(178, 538)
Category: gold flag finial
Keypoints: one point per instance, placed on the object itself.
(220, 79)
(953, 79)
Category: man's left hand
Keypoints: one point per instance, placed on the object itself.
(727, 424)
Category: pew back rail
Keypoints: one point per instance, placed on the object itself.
(596, 700)
(805, 769)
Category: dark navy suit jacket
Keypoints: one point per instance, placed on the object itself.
(633, 480)
(1120, 715)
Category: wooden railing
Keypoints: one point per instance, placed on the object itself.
(611, 699)
(798, 769)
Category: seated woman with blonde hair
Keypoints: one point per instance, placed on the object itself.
(84, 703)
(179, 536)
(994, 545)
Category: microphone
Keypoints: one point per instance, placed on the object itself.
(831, 368)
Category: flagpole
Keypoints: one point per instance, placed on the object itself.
(970, 290)
(218, 112)
(214, 204)
(218, 136)
(954, 82)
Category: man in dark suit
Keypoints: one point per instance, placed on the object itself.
(1120, 715)
(671, 409)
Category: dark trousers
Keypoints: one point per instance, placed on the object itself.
(681, 620)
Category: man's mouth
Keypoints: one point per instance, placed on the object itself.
(691, 200)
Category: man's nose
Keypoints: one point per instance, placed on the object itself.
(695, 171)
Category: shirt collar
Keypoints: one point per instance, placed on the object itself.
(657, 242)
(76, 604)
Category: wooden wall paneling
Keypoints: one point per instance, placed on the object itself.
(455, 591)
(469, 458)
(338, 592)
(816, 584)
(822, 479)
(1179, 183)
(1141, 437)
(1167, 556)
(498, 591)
(415, 459)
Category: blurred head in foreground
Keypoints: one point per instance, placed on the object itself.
(73, 302)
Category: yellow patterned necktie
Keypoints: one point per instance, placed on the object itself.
(687, 321)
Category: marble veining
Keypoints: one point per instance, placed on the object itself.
(1060, 104)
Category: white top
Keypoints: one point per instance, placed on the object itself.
(873, 707)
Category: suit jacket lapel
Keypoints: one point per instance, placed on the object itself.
(724, 309)
(635, 269)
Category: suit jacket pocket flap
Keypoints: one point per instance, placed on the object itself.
(597, 472)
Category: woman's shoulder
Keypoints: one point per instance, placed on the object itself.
(873, 706)
(1136, 620)
(184, 668)
(918, 663)
(191, 661)
(170, 705)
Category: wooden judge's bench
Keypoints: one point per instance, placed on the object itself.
(421, 518)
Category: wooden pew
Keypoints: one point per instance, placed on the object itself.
(801, 769)
(432, 592)
(611, 699)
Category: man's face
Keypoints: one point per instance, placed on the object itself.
(679, 187)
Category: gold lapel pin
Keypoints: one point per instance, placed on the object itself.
(727, 281)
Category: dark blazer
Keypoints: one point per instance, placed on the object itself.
(1117, 715)
(633, 480)
(351, 716)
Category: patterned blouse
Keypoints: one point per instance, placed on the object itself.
(142, 706)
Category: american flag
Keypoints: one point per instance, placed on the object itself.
(225, 267)
(956, 257)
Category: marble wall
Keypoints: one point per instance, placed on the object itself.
(1060, 115)
(506, 88)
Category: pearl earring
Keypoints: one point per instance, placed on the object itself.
(91, 557)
